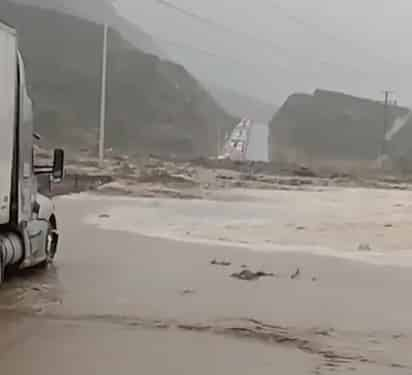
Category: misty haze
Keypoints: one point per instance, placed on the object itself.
(205, 187)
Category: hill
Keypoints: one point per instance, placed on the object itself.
(100, 11)
(331, 126)
(153, 105)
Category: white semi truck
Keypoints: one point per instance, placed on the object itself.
(28, 224)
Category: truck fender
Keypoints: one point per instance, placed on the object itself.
(46, 209)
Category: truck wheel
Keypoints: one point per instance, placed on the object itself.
(51, 244)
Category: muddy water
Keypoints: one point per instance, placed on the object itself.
(116, 300)
(356, 224)
(79, 348)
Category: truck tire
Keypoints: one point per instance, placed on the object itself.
(51, 244)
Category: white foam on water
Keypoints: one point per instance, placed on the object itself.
(205, 222)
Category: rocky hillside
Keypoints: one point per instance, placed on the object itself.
(100, 11)
(153, 105)
(331, 126)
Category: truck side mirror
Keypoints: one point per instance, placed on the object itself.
(58, 165)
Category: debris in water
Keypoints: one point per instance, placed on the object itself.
(296, 274)
(397, 365)
(248, 275)
(214, 262)
(364, 247)
(398, 336)
(186, 292)
(324, 332)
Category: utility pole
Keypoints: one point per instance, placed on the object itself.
(219, 140)
(387, 93)
(103, 96)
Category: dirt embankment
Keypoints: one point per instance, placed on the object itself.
(72, 184)
(199, 178)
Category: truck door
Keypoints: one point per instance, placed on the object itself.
(26, 186)
(37, 229)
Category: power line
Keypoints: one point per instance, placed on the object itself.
(103, 95)
(199, 50)
(189, 13)
(387, 93)
(297, 20)
(308, 25)
(213, 23)
(316, 28)
(212, 54)
(210, 22)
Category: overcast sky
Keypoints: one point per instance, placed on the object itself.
(357, 46)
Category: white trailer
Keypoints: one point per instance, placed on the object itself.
(28, 224)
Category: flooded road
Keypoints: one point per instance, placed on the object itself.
(122, 301)
(88, 348)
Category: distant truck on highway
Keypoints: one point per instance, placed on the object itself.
(28, 223)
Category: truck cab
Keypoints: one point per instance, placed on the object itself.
(28, 223)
